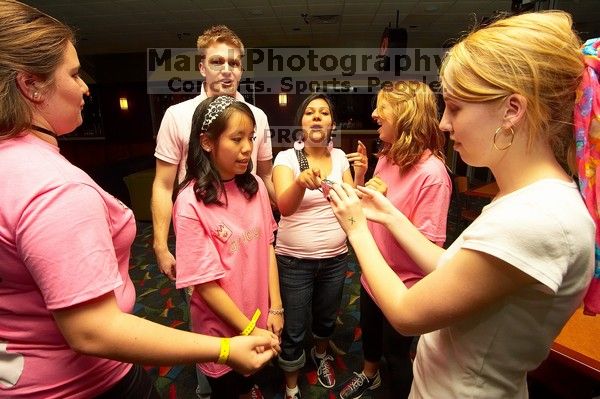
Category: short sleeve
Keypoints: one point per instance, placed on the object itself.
(267, 211)
(431, 211)
(66, 244)
(168, 147)
(197, 257)
(288, 159)
(265, 149)
(527, 239)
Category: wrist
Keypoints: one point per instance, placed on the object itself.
(357, 234)
(276, 311)
(224, 351)
(396, 218)
(252, 324)
(160, 247)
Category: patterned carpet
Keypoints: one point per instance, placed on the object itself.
(159, 301)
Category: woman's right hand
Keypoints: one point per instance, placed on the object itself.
(376, 206)
(249, 354)
(309, 178)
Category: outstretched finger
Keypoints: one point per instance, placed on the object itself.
(361, 148)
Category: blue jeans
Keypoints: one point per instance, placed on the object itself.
(308, 285)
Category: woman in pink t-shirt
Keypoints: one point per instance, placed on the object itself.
(412, 174)
(224, 227)
(65, 294)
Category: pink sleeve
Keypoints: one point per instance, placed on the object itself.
(167, 142)
(65, 241)
(197, 258)
(268, 212)
(431, 212)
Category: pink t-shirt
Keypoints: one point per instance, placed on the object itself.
(173, 136)
(312, 231)
(227, 244)
(63, 241)
(423, 196)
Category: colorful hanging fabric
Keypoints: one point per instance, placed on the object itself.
(587, 136)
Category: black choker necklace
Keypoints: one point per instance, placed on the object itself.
(43, 130)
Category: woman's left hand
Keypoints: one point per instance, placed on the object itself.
(359, 159)
(275, 323)
(347, 208)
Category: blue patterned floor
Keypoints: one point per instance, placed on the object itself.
(159, 301)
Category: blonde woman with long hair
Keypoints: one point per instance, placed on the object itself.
(492, 303)
(412, 174)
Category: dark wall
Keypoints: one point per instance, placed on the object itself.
(123, 141)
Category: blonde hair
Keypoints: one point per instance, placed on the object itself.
(535, 55)
(218, 34)
(31, 42)
(414, 115)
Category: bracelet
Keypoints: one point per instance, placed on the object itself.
(224, 352)
(276, 312)
(250, 327)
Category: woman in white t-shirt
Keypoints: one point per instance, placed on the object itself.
(494, 301)
(311, 246)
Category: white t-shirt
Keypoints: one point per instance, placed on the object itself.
(312, 231)
(545, 231)
(173, 136)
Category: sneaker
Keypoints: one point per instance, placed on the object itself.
(294, 396)
(325, 372)
(255, 393)
(358, 384)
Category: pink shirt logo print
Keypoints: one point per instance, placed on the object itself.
(222, 232)
(11, 366)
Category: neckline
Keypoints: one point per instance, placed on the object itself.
(42, 130)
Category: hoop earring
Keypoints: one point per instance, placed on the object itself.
(512, 138)
(330, 144)
(299, 145)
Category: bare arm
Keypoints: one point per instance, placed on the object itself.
(220, 303)
(99, 328)
(162, 207)
(347, 177)
(274, 321)
(289, 191)
(264, 170)
(468, 283)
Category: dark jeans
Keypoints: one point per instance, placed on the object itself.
(308, 285)
(379, 338)
(230, 385)
(136, 384)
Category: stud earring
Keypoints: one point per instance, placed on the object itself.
(36, 95)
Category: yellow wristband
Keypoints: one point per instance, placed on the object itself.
(250, 327)
(224, 352)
